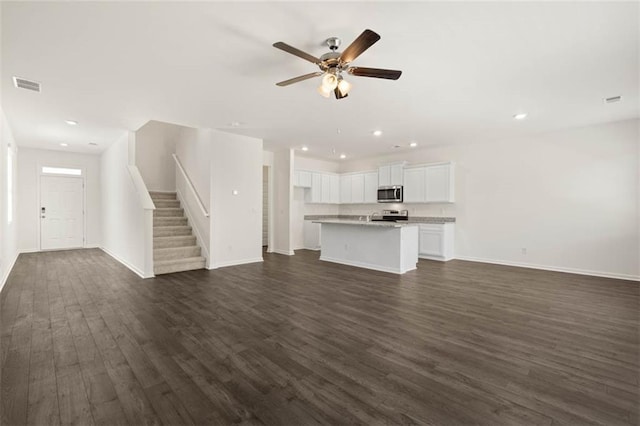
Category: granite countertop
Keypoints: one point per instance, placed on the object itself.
(414, 219)
(380, 223)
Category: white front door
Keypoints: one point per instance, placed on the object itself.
(61, 212)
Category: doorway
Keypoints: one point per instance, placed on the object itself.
(61, 212)
(265, 206)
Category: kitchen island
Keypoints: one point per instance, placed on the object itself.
(382, 246)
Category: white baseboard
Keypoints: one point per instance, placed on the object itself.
(366, 265)
(8, 271)
(92, 246)
(438, 258)
(285, 252)
(552, 268)
(311, 248)
(137, 271)
(31, 250)
(235, 263)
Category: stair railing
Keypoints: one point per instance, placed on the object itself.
(190, 185)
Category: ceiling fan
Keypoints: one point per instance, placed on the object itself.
(334, 63)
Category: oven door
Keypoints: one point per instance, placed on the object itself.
(390, 194)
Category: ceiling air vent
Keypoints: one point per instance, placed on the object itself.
(22, 83)
(613, 99)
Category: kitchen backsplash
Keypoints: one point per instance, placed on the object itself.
(430, 210)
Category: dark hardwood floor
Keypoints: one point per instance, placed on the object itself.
(296, 341)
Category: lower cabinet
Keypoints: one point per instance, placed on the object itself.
(311, 235)
(436, 241)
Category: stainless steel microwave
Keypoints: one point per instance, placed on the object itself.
(390, 194)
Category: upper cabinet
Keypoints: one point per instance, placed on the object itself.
(428, 183)
(370, 187)
(431, 183)
(390, 175)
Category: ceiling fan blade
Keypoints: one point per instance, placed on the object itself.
(299, 53)
(375, 72)
(359, 45)
(299, 78)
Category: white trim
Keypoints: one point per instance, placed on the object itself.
(138, 183)
(285, 252)
(190, 185)
(6, 275)
(270, 222)
(196, 231)
(92, 246)
(31, 250)
(438, 258)
(366, 265)
(235, 262)
(553, 268)
(137, 271)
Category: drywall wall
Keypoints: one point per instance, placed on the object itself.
(194, 149)
(569, 198)
(155, 142)
(236, 194)
(30, 162)
(126, 225)
(8, 200)
(283, 201)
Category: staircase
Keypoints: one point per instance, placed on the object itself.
(174, 246)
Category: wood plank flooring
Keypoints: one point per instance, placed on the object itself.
(296, 341)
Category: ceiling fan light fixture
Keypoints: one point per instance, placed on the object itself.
(323, 91)
(329, 81)
(344, 86)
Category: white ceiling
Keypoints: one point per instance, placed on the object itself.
(467, 68)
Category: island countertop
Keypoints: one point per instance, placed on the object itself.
(375, 223)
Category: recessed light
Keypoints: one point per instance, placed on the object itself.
(413, 144)
(305, 148)
(377, 132)
(71, 122)
(64, 144)
(520, 116)
(343, 156)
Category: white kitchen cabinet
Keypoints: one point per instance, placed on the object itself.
(302, 178)
(345, 189)
(311, 235)
(314, 194)
(357, 188)
(384, 175)
(396, 174)
(439, 183)
(371, 187)
(436, 241)
(415, 190)
(326, 189)
(391, 174)
(335, 189)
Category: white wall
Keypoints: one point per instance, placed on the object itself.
(155, 142)
(126, 225)
(218, 163)
(194, 148)
(283, 200)
(236, 220)
(8, 200)
(569, 197)
(29, 163)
